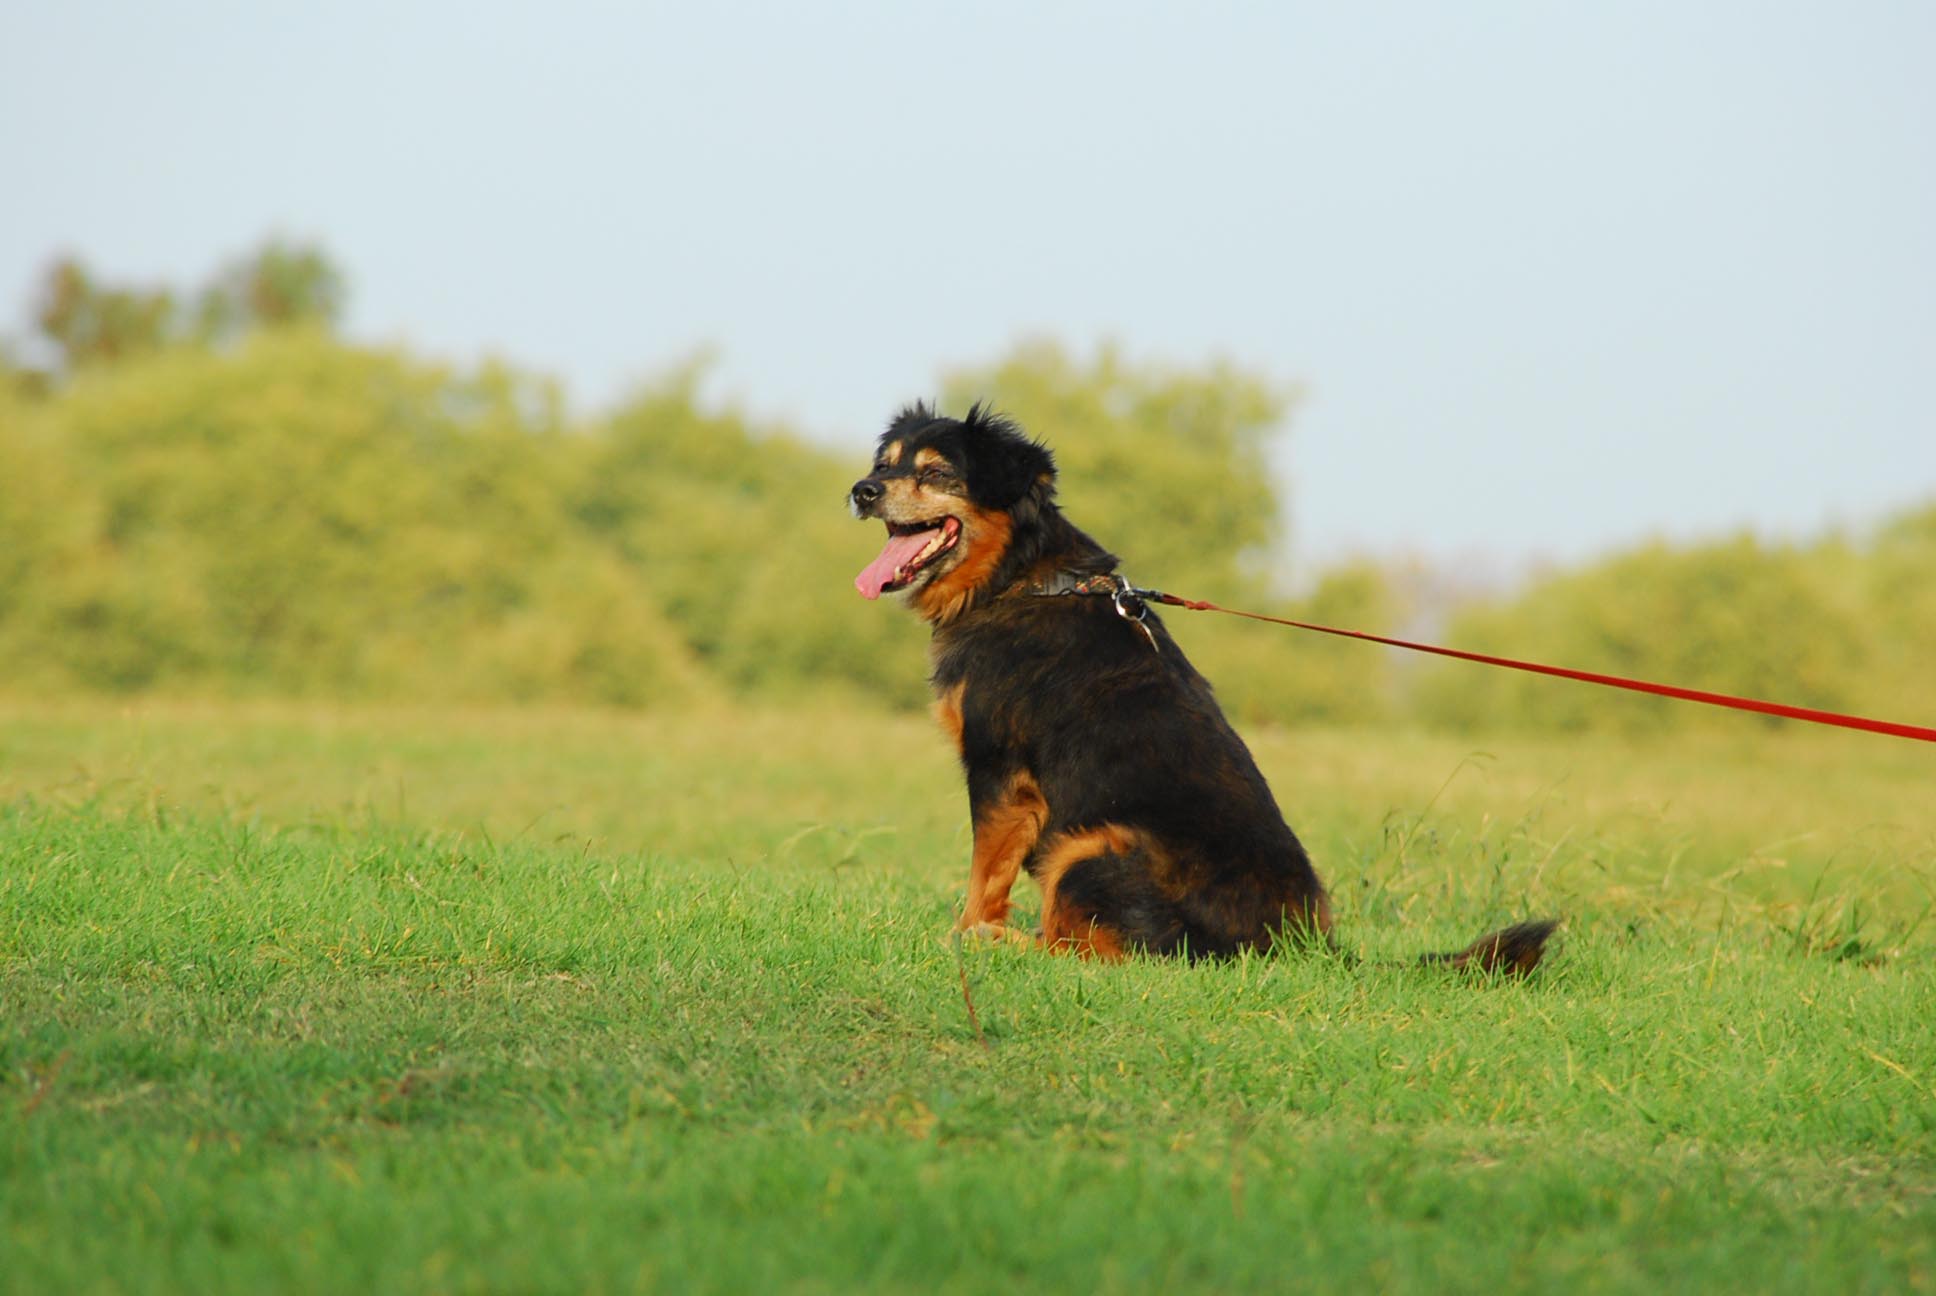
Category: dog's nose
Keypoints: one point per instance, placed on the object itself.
(867, 491)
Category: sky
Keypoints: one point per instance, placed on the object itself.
(1550, 279)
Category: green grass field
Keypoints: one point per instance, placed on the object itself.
(310, 998)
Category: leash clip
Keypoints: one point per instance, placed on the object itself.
(1131, 607)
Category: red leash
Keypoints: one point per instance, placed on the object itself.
(1591, 677)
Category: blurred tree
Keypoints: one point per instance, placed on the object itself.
(1898, 577)
(1737, 616)
(17, 377)
(300, 516)
(743, 534)
(47, 518)
(278, 284)
(87, 323)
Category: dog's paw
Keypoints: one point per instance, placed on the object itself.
(991, 933)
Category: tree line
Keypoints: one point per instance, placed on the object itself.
(212, 491)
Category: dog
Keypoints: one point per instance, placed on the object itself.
(1096, 757)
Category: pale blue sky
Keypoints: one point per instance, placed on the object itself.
(1555, 278)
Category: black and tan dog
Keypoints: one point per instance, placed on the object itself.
(1096, 756)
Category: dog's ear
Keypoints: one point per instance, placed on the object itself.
(1003, 465)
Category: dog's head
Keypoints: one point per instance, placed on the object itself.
(951, 492)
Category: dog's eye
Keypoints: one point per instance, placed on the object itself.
(937, 473)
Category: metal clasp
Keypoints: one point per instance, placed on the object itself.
(1130, 607)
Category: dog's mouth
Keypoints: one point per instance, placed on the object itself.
(910, 547)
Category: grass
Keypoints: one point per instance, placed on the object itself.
(304, 998)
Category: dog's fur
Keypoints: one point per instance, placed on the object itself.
(1096, 757)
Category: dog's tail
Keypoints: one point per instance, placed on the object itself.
(1513, 950)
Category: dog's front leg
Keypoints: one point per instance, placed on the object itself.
(1008, 820)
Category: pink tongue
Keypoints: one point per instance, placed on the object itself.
(894, 556)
